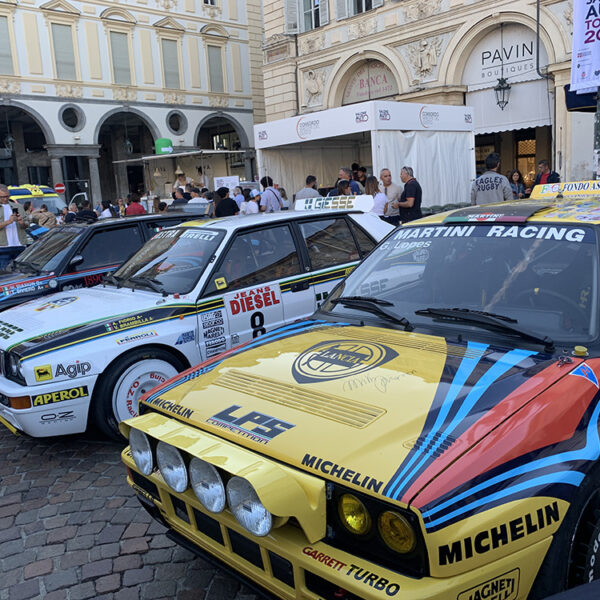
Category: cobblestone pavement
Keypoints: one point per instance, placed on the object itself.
(71, 528)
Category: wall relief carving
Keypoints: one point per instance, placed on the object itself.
(68, 90)
(422, 9)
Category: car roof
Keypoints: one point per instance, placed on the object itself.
(569, 202)
(235, 222)
(147, 217)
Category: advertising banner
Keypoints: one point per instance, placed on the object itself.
(585, 62)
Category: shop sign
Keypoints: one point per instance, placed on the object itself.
(370, 81)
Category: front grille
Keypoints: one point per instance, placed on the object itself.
(180, 509)
(325, 589)
(282, 569)
(145, 484)
(245, 548)
(208, 526)
(335, 408)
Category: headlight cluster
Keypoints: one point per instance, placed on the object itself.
(14, 370)
(180, 471)
(394, 529)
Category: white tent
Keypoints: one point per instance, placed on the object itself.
(435, 140)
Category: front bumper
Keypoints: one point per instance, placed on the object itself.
(288, 566)
(57, 407)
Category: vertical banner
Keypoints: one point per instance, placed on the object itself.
(585, 60)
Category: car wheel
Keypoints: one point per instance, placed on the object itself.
(574, 555)
(127, 379)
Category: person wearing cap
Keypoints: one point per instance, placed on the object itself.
(251, 206)
(226, 206)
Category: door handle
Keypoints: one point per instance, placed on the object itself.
(299, 286)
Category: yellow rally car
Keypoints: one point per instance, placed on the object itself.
(431, 432)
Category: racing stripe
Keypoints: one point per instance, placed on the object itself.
(323, 277)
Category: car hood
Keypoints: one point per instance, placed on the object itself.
(41, 325)
(381, 410)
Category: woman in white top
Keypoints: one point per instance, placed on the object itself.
(106, 212)
(379, 198)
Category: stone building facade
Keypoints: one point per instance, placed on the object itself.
(321, 54)
(86, 83)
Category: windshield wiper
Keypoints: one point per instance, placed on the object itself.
(153, 284)
(114, 279)
(483, 318)
(373, 305)
(21, 263)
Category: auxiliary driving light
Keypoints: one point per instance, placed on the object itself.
(141, 451)
(207, 485)
(247, 508)
(172, 467)
(397, 532)
(353, 514)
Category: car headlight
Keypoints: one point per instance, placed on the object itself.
(172, 467)
(354, 515)
(207, 485)
(397, 532)
(247, 508)
(14, 366)
(141, 451)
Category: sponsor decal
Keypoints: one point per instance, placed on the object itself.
(323, 558)
(330, 468)
(372, 579)
(60, 396)
(210, 316)
(212, 322)
(537, 232)
(136, 337)
(503, 587)
(384, 115)
(171, 407)
(505, 533)
(167, 233)
(58, 417)
(253, 300)
(468, 118)
(144, 493)
(307, 126)
(361, 117)
(586, 372)
(53, 283)
(213, 332)
(74, 370)
(253, 425)
(57, 303)
(43, 372)
(332, 360)
(193, 234)
(128, 322)
(91, 280)
(335, 202)
(220, 283)
(21, 287)
(185, 338)
(8, 329)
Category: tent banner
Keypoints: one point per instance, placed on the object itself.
(365, 116)
(585, 64)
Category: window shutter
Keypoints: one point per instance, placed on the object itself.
(6, 65)
(64, 55)
(119, 48)
(291, 16)
(215, 69)
(323, 12)
(341, 9)
(377, 3)
(170, 64)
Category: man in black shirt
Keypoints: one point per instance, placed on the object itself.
(409, 204)
(226, 206)
(86, 213)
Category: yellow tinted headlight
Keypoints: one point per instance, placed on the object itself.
(354, 515)
(397, 532)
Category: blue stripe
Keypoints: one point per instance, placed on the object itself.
(567, 477)
(464, 372)
(590, 452)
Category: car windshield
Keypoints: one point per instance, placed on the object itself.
(172, 261)
(47, 253)
(544, 276)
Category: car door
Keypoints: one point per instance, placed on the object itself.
(248, 277)
(332, 250)
(101, 252)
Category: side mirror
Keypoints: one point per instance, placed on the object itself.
(76, 260)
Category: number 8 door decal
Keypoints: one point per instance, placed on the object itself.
(257, 321)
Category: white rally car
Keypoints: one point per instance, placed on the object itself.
(190, 293)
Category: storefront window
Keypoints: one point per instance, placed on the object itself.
(526, 158)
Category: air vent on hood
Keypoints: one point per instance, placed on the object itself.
(408, 340)
(327, 406)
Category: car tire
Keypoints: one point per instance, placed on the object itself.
(127, 378)
(574, 554)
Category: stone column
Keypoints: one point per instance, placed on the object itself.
(248, 158)
(95, 180)
(57, 173)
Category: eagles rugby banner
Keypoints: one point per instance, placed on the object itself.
(585, 62)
